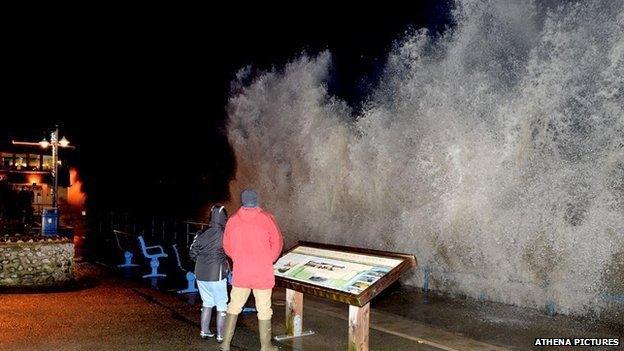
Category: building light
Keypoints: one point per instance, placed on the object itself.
(64, 142)
(34, 179)
(44, 143)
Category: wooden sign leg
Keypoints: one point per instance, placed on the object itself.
(294, 316)
(358, 327)
(294, 312)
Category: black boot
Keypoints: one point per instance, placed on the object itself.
(220, 325)
(206, 314)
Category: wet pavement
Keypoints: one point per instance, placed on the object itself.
(107, 310)
(491, 322)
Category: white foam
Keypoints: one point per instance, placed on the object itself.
(495, 153)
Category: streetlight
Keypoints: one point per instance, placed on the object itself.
(55, 143)
(44, 143)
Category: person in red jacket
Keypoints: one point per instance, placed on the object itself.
(253, 241)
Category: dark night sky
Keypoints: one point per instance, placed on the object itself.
(142, 93)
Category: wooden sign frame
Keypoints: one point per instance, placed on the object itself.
(359, 309)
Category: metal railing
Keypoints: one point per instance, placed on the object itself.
(191, 230)
(166, 230)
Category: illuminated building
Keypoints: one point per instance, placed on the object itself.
(32, 167)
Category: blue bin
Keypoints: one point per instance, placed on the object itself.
(49, 221)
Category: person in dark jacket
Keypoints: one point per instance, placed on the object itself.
(211, 269)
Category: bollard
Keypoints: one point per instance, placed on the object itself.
(154, 265)
(190, 279)
(128, 263)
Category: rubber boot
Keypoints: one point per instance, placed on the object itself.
(220, 325)
(228, 331)
(206, 313)
(264, 327)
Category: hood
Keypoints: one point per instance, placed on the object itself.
(247, 214)
(218, 216)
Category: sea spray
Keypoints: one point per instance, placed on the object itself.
(494, 152)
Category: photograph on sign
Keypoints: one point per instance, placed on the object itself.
(344, 271)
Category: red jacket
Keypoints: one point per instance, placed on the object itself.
(254, 241)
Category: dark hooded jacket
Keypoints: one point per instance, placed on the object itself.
(207, 249)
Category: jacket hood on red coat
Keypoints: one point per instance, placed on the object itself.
(248, 214)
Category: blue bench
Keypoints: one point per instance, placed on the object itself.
(123, 243)
(190, 276)
(152, 253)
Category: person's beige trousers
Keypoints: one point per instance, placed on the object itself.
(238, 297)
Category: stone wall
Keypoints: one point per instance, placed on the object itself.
(47, 262)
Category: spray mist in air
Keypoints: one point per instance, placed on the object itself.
(494, 153)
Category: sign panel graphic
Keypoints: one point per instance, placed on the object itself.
(345, 271)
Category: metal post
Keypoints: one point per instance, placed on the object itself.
(54, 143)
(163, 229)
(175, 230)
(187, 235)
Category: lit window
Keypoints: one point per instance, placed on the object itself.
(33, 162)
(47, 162)
(7, 160)
(20, 161)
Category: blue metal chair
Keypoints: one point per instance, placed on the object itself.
(190, 276)
(157, 252)
(125, 248)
